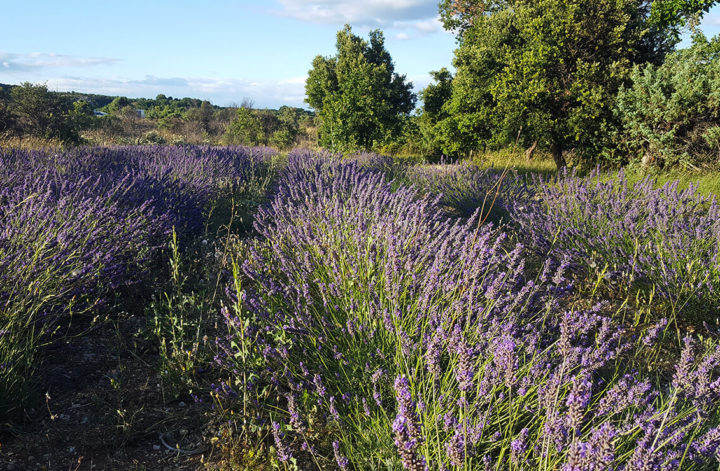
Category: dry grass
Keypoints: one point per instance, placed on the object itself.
(29, 143)
(707, 181)
(514, 158)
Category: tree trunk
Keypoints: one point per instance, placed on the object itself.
(557, 153)
(531, 151)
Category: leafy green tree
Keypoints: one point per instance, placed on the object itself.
(118, 104)
(359, 98)
(544, 71)
(202, 116)
(7, 119)
(41, 113)
(34, 108)
(433, 111)
(245, 129)
(206, 115)
(678, 13)
(82, 113)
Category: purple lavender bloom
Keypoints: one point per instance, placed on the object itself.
(364, 280)
(577, 401)
(333, 410)
(341, 461)
(455, 448)
(465, 371)
(408, 437)
(518, 447)
(636, 234)
(283, 452)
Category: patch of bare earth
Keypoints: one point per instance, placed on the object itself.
(104, 409)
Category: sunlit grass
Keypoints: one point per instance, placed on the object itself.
(541, 162)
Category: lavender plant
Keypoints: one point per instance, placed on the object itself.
(466, 188)
(394, 337)
(393, 168)
(664, 237)
(80, 226)
(63, 250)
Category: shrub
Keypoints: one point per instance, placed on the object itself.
(465, 188)
(78, 227)
(64, 248)
(371, 331)
(653, 237)
(670, 115)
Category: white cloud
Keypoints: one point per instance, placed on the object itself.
(402, 36)
(371, 13)
(712, 20)
(417, 28)
(265, 93)
(428, 26)
(22, 62)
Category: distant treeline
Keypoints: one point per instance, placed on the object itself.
(31, 111)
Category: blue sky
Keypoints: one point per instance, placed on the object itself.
(221, 50)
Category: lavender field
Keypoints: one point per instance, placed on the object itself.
(315, 311)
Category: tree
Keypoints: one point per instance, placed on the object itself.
(41, 113)
(288, 127)
(118, 104)
(206, 115)
(202, 116)
(433, 111)
(246, 128)
(7, 119)
(544, 71)
(359, 98)
(81, 115)
(678, 13)
(34, 108)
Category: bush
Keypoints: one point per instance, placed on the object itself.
(671, 113)
(466, 188)
(371, 331)
(77, 228)
(662, 238)
(65, 247)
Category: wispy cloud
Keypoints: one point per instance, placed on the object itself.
(419, 15)
(265, 93)
(410, 29)
(23, 62)
(712, 20)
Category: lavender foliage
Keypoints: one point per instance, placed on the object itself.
(465, 188)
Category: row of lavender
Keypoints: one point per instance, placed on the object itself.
(78, 227)
(663, 240)
(653, 238)
(372, 331)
